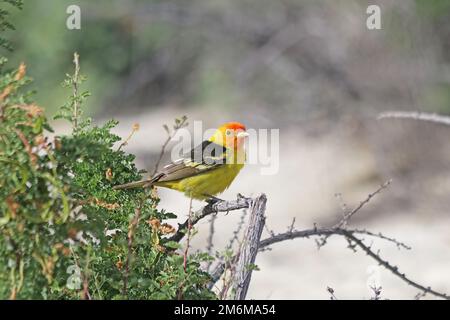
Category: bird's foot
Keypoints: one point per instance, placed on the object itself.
(211, 200)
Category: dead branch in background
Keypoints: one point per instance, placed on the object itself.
(431, 117)
(249, 248)
(353, 236)
(349, 214)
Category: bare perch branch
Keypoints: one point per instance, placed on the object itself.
(249, 248)
(431, 117)
(220, 206)
(350, 235)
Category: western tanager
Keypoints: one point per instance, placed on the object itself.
(207, 169)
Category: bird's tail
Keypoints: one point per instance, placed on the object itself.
(137, 184)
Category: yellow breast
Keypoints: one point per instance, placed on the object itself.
(209, 183)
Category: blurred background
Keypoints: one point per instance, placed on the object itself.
(311, 69)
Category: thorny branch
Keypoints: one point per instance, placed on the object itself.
(348, 215)
(431, 117)
(343, 222)
(339, 229)
(392, 268)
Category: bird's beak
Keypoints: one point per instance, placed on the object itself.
(242, 134)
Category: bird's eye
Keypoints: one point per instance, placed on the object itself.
(228, 132)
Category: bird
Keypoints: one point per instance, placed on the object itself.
(206, 170)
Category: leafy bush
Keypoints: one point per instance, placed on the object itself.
(64, 232)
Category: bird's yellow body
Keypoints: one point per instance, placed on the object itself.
(207, 184)
(208, 170)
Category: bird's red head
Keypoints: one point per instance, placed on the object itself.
(230, 135)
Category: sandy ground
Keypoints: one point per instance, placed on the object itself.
(311, 172)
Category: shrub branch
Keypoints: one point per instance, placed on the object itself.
(339, 229)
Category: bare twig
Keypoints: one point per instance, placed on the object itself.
(379, 235)
(394, 269)
(331, 292)
(189, 227)
(210, 245)
(344, 221)
(348, 215)
(268, 230)
(249, 248)
(75, 80)
(179, 123)
(431, 117)
(350, 235)
(134, 129)
(238, 229)
(338, 229)
(220, 206)
(131, 229)
(376, 293)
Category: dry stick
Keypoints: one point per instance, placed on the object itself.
(242, 202)
(164, 146)
(347, 216)
(336, 230)
(394, 269)
(229, 247)
(295, 234)
(189, 227)
(431, 117)
(350, 235)
(161, 154)
(133, 131)
(210, 245)
(75, 89)
(220, 206)
(343, 222)
(379, 235)
(331, 292)
(249, 248)
(238, 229)
(131, 229)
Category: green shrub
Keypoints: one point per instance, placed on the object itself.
(64, 232)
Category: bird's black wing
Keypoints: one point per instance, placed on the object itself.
(202, 158)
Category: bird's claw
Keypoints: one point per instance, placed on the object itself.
(211, 200)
